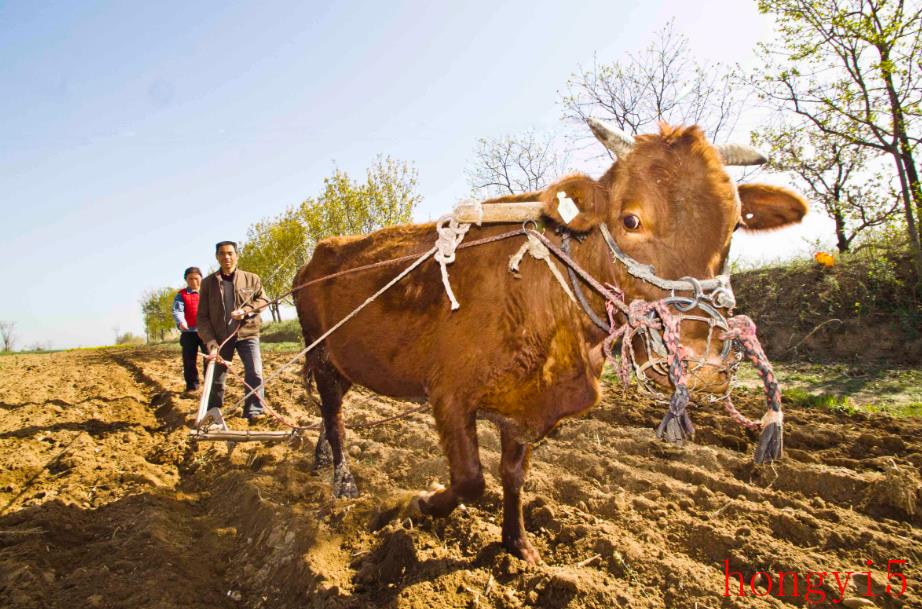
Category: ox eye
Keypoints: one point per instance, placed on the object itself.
(631, 222)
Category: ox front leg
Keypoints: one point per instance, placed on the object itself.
(458, 435)
(332, 386)
(323, 454)
(513, 467)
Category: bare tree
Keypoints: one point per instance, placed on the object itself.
(662, 82)
(514, 164)
(840, 177)
(851, 69)
(8, 335)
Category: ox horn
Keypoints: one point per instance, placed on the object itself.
(616, 140)
(736, 154)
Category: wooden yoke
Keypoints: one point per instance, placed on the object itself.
(472, 212)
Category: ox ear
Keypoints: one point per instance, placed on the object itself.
(766, 207)
(576, 202)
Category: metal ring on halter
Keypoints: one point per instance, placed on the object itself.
(696, 288)
(722, 298)
(527, 222)
(685, 304)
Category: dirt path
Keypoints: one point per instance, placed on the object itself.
(104, 504)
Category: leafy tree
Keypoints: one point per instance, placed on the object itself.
(127, 338)
(663, 82)
(387, 197)
(275, 249)
(837, 175)
(851, 69)
(157, 306)
(514, 164)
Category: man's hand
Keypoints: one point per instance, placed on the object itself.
(212, 351)
(238, 314)
(182, 326)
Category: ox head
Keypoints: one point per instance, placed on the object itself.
(668, 202)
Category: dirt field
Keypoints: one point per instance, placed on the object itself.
(103, 503)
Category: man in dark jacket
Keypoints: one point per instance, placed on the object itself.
(185, 312)
(231, 300)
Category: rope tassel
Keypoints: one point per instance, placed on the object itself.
(771, 443)
(677, 426)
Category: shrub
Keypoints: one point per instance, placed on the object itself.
(128, 338)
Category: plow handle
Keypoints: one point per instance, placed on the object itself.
(206, 390)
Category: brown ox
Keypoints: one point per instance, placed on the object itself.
(519, 351)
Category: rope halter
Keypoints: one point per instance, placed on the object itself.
(657, 324)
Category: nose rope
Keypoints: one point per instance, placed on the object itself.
(677, 424)
(771, 444)
(644, 317)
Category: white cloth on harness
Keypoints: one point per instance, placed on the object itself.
(538, 251)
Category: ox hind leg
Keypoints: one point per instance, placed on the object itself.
(512, 468)
(457, 429)
(332, 386)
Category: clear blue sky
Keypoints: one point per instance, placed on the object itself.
(133, 136)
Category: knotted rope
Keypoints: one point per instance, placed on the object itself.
(538, 251)
(771, 444)
(676, 425)
(643, 316)
(450, 237)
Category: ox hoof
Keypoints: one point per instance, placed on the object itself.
(323, 456)
(344, 484)
(522, 548)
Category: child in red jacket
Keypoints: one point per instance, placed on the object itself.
(185, 310)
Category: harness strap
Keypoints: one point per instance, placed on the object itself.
(614, 296)
(578, 289)
(647, 273)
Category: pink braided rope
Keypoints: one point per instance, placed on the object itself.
(677, 424)
(638, 320)
(742, 330)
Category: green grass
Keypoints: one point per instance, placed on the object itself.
(30, 352)
(836, 403)
(848, 388)
(282, 347)
(288, 331)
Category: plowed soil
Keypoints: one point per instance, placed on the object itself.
(105, 503)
